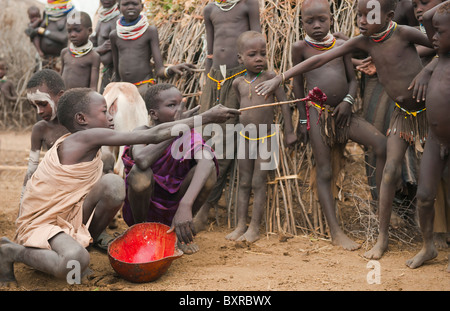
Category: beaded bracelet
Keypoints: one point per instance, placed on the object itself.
(166, 72)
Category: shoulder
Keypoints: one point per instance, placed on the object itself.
(208, 8)
(39, 128)
(269, 74)
(299, 45)
(64, 51)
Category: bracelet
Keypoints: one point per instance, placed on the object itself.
(166, 72)
(303, 121)
(41, 30)
(46, 33)
(210, 56)
(349, 99)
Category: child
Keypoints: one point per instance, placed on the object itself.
(436, 153)
(52, 33)
(80, 63)
(224, 21)
(397, 61)
(252, 174)
(43, 91)
(108, 16)
(34, 15)
(163, 186)
(338, 81)
(68, 201)
(133, 44)
(7, 89)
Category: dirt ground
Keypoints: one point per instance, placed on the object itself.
(299, 263)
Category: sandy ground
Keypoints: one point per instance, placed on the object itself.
(299, 263)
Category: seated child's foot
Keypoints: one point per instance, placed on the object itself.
(377, 250)
(250, 236)
(201, 218)
(425, 254)
(188, 249)
(340, 239)
(7, 250)
(440, 240)
(236, 234)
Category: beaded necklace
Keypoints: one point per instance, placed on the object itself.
(250, 83)
(55, 10)
(327, 43)
(226, 5)
(221, 82)
(105, 15)
(80, 51)
(132, 31)
(384, 35)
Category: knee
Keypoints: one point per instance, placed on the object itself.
(391, 172)
(140, 181)
(425, 197)
(114, 188)
(212, 179)
(324, 173)
(380, 149)
(74, 258)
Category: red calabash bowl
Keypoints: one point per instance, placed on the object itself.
(144, 252)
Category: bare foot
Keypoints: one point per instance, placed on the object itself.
(250, 236)
(378, 249)
(188, 249)
(425, 254)
(7, 250)
(236, 234)
(440, 239)
(340, 239)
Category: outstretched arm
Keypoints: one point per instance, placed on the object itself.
(428, 18)
(268, 87)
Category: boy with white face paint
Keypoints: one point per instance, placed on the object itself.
(43, 91)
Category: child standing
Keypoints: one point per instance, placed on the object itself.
(165, 184)
(252, 52)
(108, 15)
(43, 91)
(436, 153)
(80, 63)
(68, 201)
(393, 52)
(7, 90)
(331, 130)
(225, 21)
(134, 43)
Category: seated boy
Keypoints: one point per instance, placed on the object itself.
(80, 63)
(258, 136)
(331, 130)
(165, 184)
(43, 91)
(68, 201)
(436, 153)
(134, 43)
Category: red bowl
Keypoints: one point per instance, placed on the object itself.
(144, 252)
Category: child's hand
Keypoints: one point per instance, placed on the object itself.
(220, 114)
(181, 68)
(268, 87)
(343, 113)
(183, 225)
(420, 84)
(367, 66)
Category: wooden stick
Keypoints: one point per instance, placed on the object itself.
(273, 104)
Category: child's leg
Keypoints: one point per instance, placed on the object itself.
(246, 167)
(364, 133)
(52, 261)
(140, 190)
(259, 186)
(322, 156)
(431, 168)
(396, 148)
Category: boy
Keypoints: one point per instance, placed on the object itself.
(436, 153)
(133, 44)
(252, 174)
(34, 15)
(224, 22)
(397, 61)
(68, 201)
(43, 91)
(338, 81)
(80, 63)
(7, 89)
(165, 184)
(108, 16)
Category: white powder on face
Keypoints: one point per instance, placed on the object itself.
(39, 96)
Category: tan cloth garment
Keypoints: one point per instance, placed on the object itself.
(53, 200)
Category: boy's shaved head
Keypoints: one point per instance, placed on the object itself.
(246, 37)
(80, 17)
(308, 3)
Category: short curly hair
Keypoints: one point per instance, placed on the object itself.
(72, 102)
(151, 96)
(48, 77)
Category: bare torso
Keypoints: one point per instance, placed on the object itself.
(51, 47)
(77, 70)
(102, 33)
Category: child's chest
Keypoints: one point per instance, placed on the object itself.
(72, 62)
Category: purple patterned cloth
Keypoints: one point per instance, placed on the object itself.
(169, 172)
